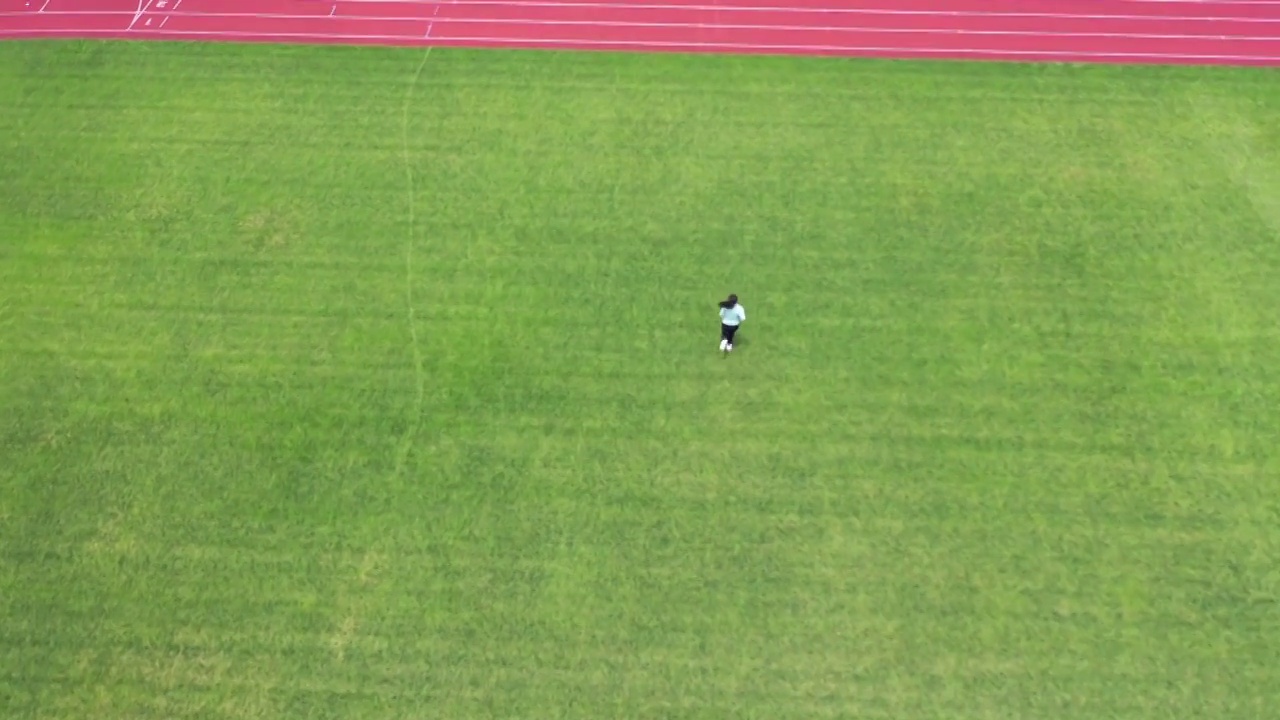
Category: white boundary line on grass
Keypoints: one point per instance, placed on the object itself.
(568, 43)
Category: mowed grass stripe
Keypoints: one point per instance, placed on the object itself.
(998, 441)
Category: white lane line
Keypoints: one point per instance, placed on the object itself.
(590, 3)
(798, 11)
(522, 22)
(569, 43)
(1183, 2)
(669, 7)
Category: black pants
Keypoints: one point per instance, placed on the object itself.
(727, 331)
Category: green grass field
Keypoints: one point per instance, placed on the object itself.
(336, 384)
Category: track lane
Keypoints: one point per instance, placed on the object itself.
(1218, 32)
(54, 23)
(900, 37)
(1261, 9)
(732, 19)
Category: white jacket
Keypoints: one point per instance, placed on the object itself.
(733, 316)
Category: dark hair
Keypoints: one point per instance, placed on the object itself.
(728, 304)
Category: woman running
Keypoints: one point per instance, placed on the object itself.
(731, 316)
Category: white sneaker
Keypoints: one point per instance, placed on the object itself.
(723, 344)
(728, 348)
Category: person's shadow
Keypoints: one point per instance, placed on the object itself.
(738, 342)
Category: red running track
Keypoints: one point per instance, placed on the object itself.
(1219, 32)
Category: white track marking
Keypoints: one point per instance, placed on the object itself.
(754, 28)
(45, 5)
(834, 9)
(144, 5)
(1161, 2)
(827, 28)
(431, 25)
(667, 6)
(729, 8)
(142, 8)
(564, 43)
